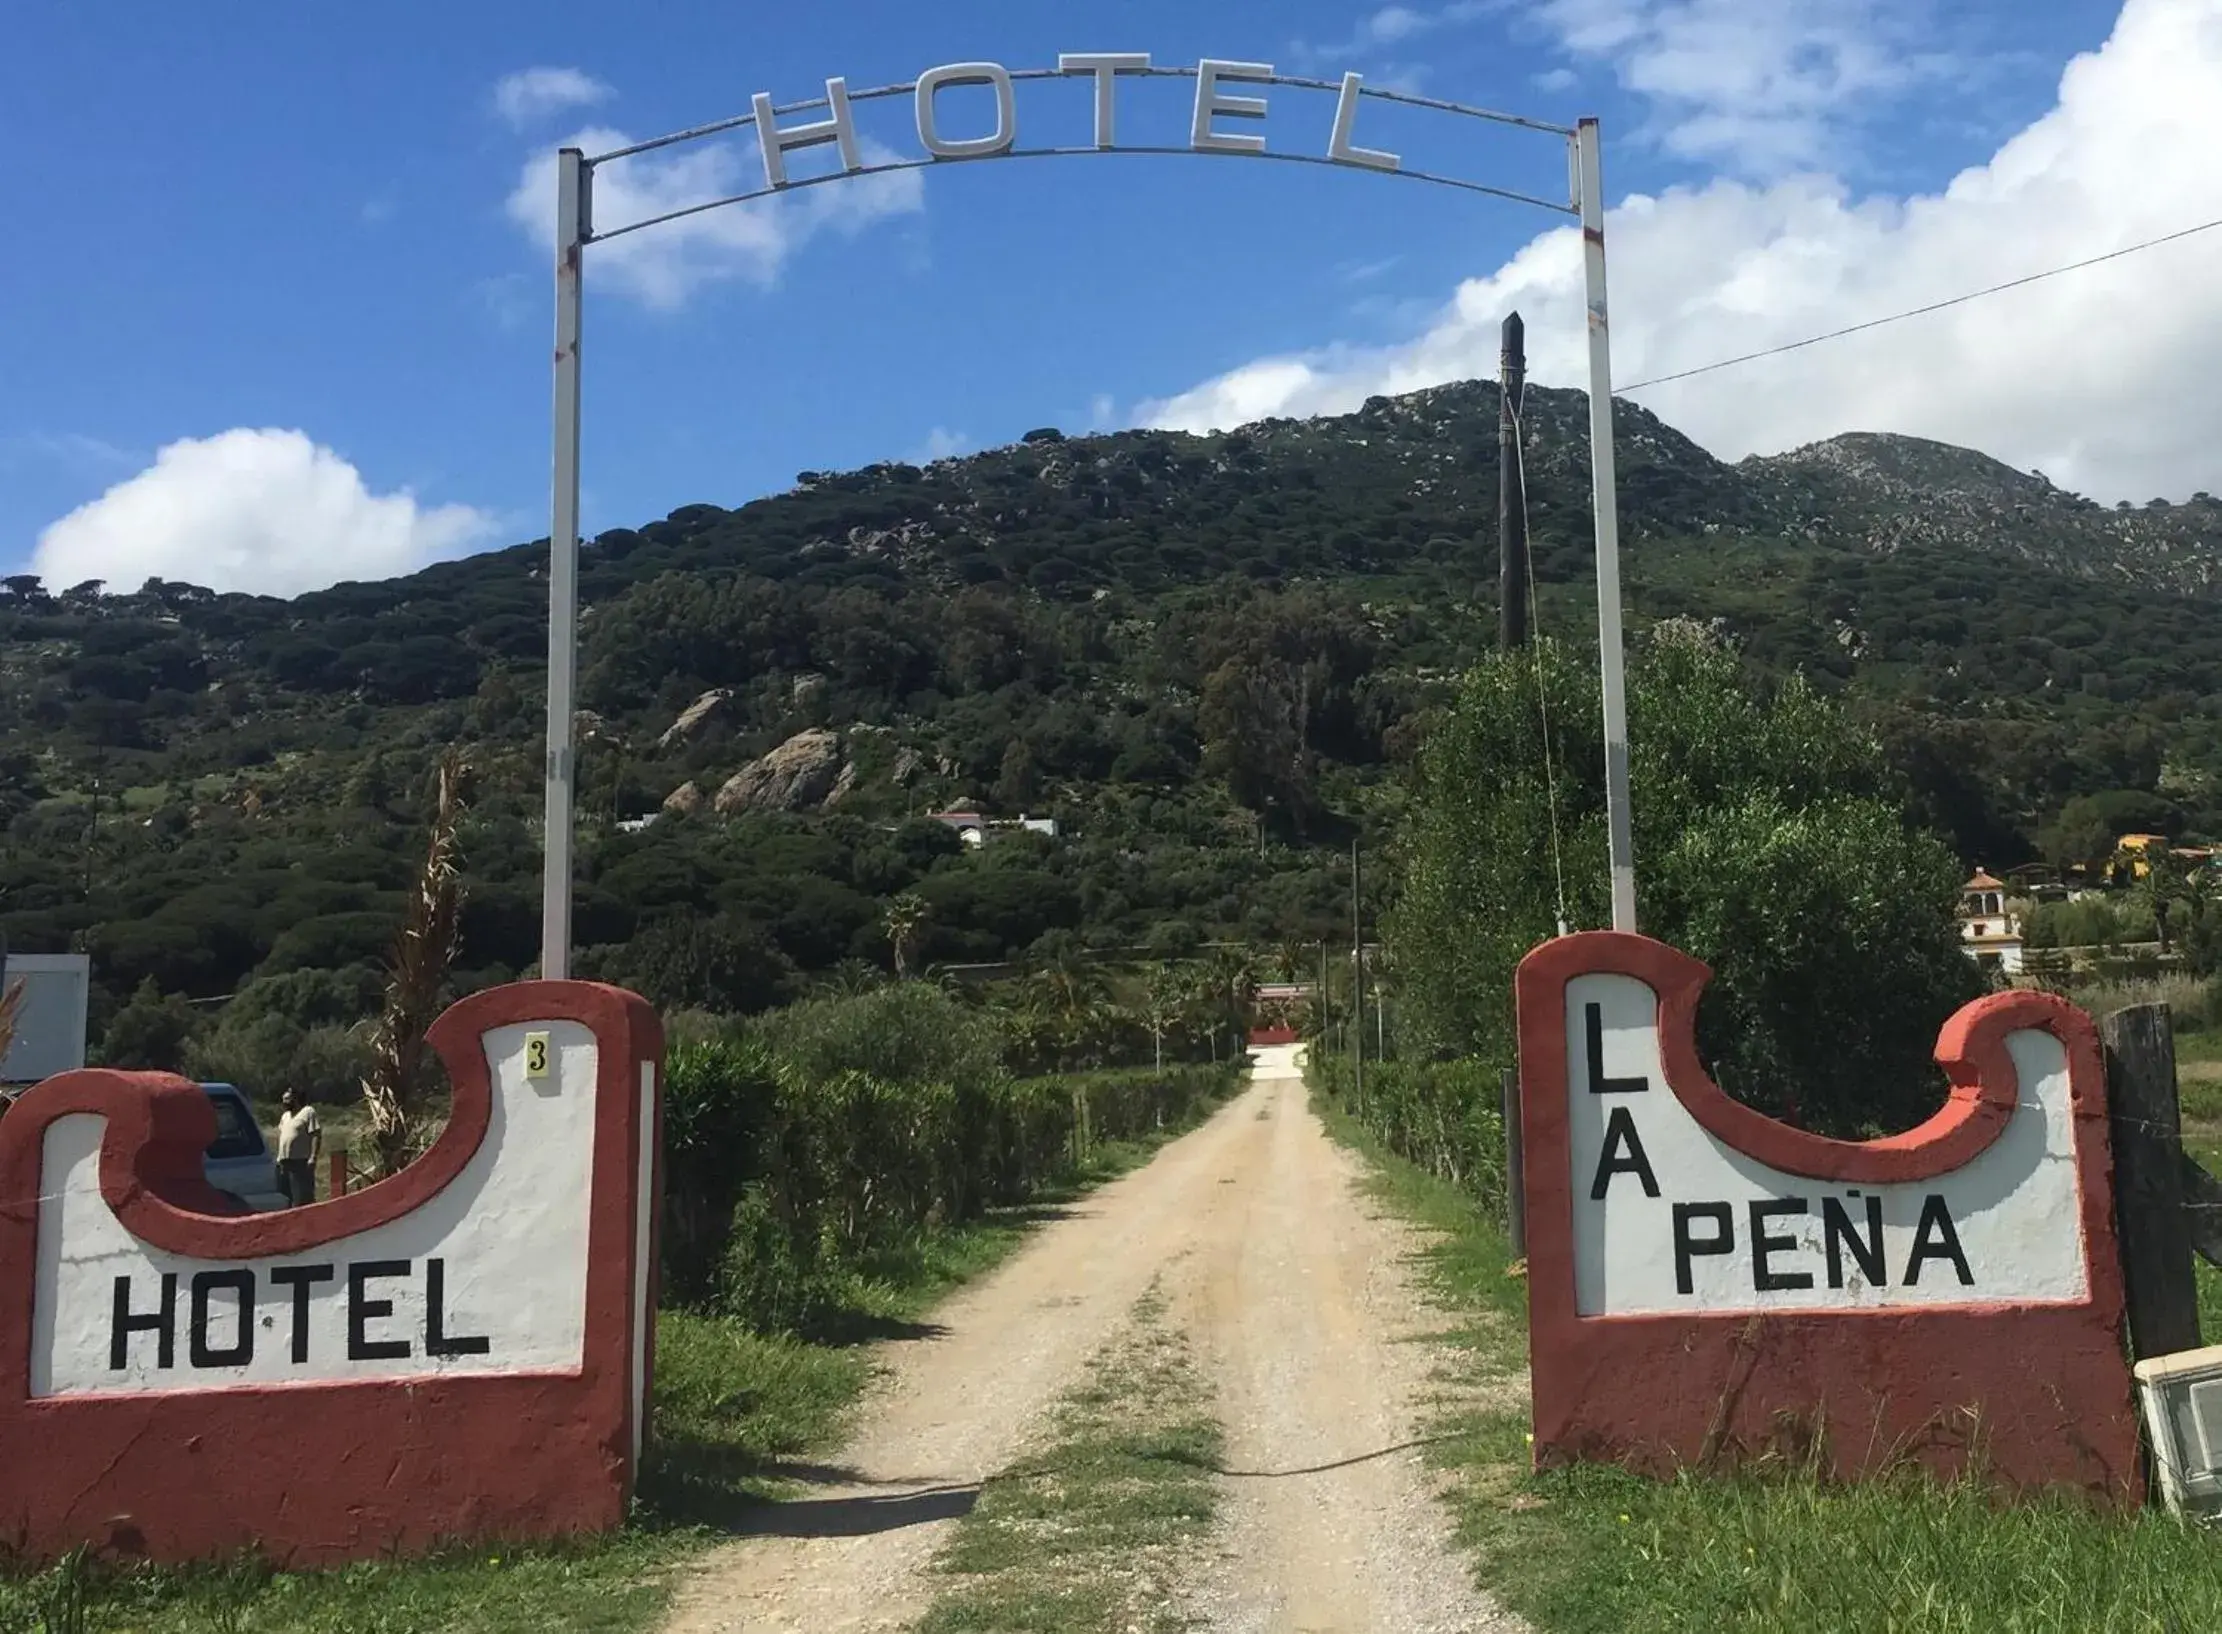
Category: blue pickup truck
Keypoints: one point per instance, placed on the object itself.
(239, 1160)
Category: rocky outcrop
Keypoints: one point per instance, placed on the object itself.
(799, 775)
(695, 717)
(687, 797)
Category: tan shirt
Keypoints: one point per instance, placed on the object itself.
(297, 1132)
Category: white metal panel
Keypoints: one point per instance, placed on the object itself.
(2012, 1217)
(509, 1233)
(50, 1026)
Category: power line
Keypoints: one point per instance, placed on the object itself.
(1919, 311)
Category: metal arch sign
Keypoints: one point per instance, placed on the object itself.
(1214, 126)
(1228, 97)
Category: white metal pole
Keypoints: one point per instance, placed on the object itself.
(1620, 832)
(573, 211)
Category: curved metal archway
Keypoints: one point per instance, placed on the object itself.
(575, 230)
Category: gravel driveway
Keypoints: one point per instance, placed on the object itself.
(1294, 1291)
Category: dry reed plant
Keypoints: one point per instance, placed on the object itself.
(11, 1006)
(415, 982)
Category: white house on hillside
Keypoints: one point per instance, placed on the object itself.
(1991, 935)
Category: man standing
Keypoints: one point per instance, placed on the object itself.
(300, 1142)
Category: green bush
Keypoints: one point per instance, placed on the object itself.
(767, 1273)
(812, 1142)
(266, 1054)
(681, 961)
(912, 1031)
(2201, 939)
(2091, 921)
(1445, 1117)
(149, 1034)
(719, 1101)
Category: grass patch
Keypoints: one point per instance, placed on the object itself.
(1609, 1551)
(2202, 1142)
(607, 1587)
(1083, 1537)
(730, 1407)
(1597, 1551)
(2199, 1065)
(2199, 1101)
(1468, 1259)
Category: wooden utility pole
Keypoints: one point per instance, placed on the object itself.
(1326, 1015)
(2154, 1229)
(92, 837)
(1357, 989)
(1512, 498)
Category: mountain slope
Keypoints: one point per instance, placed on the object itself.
(1884, 492)
(1202, 655)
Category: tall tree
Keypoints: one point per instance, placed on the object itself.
(1770, 843)
(1252, 720)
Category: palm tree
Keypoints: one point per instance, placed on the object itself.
(2166, 886)
(852, 977)
(1070, 1001)
(906, 916)
(1230, 978)
(1163, 1001)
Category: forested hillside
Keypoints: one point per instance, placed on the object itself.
(1204, 656)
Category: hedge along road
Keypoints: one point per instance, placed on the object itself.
(1296, 1295)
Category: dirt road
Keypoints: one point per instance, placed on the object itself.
(1288, 1283)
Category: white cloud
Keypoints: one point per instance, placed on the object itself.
(511, 300)
(536, 93)
(1380, 29)
(941, 444)
(1359, 272)
(2108, 379)
(266, 511)
(1764, 86)
(662, 266)
(71, 448)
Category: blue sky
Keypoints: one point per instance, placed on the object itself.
(300, 219)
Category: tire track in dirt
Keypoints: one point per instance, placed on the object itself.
(959, 1406)
(1306, 1300)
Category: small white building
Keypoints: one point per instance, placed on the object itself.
(976, 830)
(971, 827)
(1991, 935)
